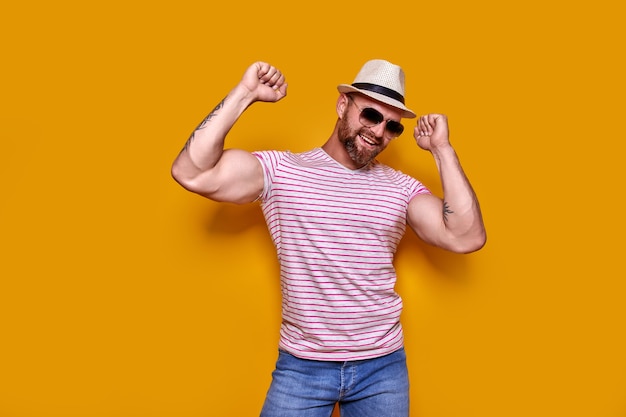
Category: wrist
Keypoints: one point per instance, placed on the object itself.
(443, 151)
(241, 97)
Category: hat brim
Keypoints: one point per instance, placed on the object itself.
(406, 113)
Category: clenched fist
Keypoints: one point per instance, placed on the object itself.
(432, 131)
(265, 82)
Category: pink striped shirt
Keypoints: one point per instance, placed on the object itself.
(336, 232)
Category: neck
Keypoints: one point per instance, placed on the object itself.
(335, 149)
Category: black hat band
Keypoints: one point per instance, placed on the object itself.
(374, 88)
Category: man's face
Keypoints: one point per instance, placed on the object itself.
(364, 143)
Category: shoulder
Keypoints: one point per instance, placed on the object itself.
(275, 158)
(269, 156)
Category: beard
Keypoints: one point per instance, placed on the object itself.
(359, 154)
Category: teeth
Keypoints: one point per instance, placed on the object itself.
(368, 140)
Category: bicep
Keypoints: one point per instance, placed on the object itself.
(236, 178)
(425, 217)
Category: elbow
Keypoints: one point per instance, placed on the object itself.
(182, 177)
(470, 244)
(178, 176)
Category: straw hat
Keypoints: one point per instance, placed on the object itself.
(382, 81)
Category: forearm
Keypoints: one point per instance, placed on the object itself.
(205, 146)
(461, 213)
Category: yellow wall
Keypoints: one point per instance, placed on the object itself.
(123, 295)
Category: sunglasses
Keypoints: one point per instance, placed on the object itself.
(371, 117)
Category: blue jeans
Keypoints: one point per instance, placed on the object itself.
(367, 388)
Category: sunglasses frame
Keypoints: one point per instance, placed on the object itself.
(373, 118)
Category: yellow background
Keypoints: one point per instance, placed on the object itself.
(123, 295)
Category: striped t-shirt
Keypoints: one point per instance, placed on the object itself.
(336, 232)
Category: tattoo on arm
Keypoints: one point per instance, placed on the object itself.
(202, 125)
(446, 211)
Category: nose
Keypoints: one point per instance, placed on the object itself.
(379, 129)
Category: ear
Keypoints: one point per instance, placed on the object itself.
(342, 104)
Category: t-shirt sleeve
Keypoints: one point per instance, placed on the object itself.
(416, 188)
(269, 161)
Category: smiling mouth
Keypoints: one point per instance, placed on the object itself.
(369, 141)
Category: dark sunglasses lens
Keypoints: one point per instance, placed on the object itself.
(395, 128)
(371, 115)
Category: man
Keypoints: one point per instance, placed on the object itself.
(336, 216)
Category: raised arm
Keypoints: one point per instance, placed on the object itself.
(204, 166)
(455, 222)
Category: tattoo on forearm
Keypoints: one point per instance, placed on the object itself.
(203, 124)
(446, 211)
